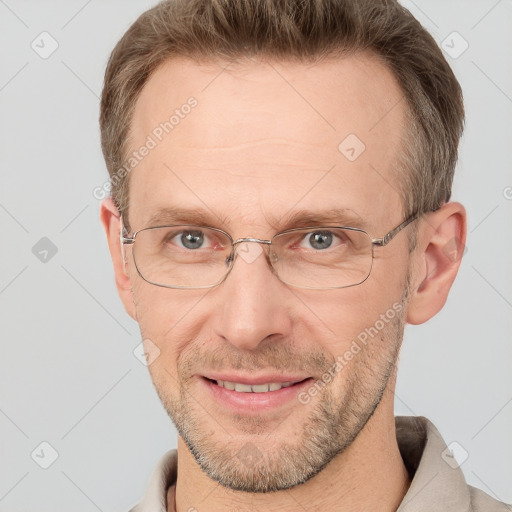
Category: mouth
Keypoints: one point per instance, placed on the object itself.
(254, 388)
(245, 395)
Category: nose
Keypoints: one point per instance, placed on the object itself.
(252, 301)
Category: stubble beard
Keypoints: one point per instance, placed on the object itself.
(263, 464)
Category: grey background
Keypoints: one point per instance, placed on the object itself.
(68, 374)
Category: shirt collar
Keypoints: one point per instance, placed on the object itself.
(437, 481)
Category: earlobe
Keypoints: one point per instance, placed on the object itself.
(441, 243)
(111, 221)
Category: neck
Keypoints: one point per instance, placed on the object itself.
(368, 475)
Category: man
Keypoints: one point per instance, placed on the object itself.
(281, 178)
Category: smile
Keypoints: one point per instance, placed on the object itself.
(255, 388)
(254, 395)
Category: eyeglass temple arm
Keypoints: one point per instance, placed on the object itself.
(387, 238)
(123, 238)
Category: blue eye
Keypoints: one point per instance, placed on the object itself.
(191, 239)
(320, 240)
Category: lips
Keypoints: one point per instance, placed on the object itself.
(254, 395)
(266, 378)
(253, 388)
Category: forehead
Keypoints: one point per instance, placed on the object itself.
(266, 135)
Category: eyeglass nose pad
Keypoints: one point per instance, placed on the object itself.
(271, 255)
(233, 255)
(231, 258)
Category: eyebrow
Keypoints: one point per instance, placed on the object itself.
(295, 219)
(167, 216)
(304, 218)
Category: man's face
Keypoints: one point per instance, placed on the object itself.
(262, 142)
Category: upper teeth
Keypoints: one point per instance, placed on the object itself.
(255, 388)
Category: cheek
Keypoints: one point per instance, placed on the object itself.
(344, 315)
(169, 319)
(160, 310)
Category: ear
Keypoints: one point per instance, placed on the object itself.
(441, 244)
(110, 218)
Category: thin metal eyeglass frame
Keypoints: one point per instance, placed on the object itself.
(379, 242)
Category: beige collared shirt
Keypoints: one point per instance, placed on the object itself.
(438, 484)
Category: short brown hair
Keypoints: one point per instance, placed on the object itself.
(304, 30)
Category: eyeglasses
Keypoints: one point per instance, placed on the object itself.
(319, 258)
